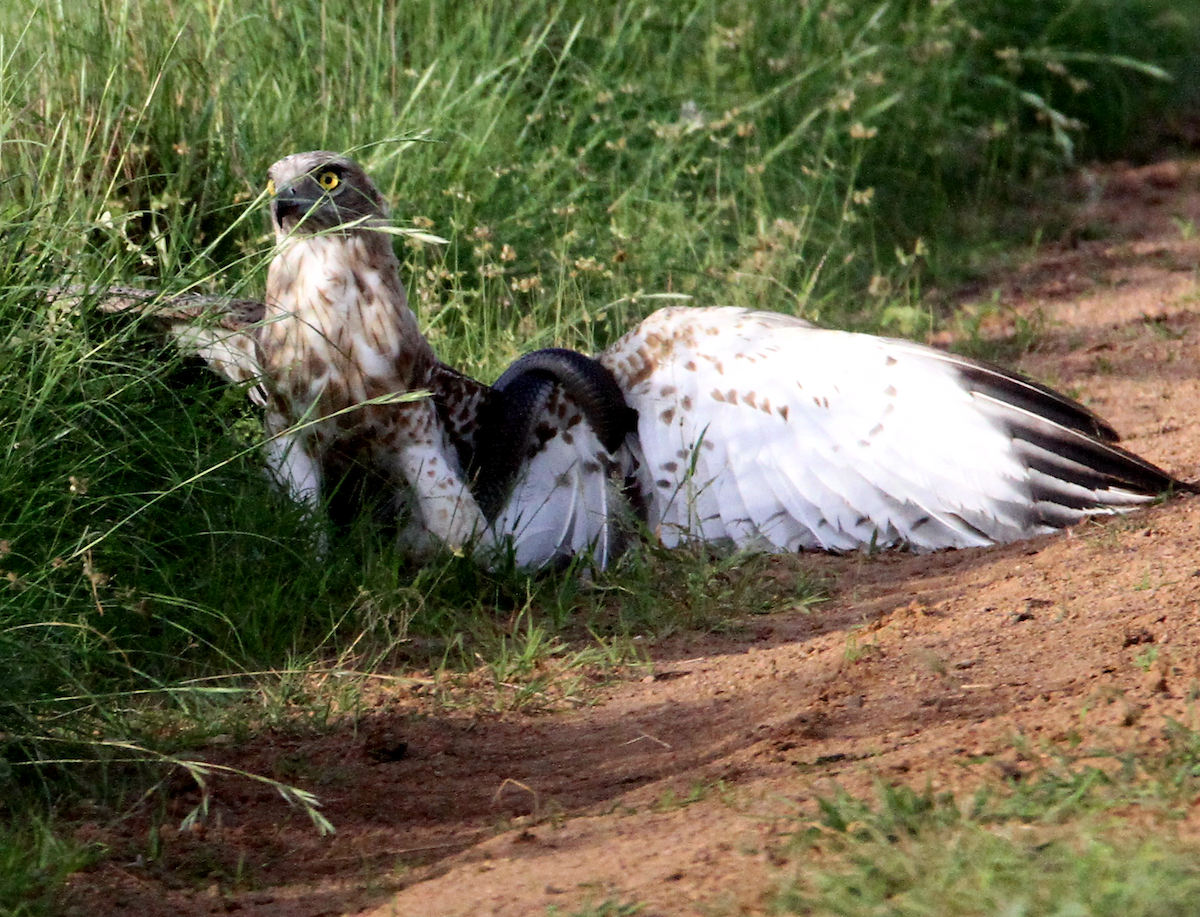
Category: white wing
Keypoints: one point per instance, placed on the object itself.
(759, 428)
(563, 502)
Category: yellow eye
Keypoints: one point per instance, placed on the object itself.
(271, 186)
(328, 180)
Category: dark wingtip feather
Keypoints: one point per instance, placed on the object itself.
(1075, 463)
(1036, 398)
(1020, 391)
(1073, 473)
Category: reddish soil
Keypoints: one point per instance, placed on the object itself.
(678, 789)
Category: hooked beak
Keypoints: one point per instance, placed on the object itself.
(289, 204)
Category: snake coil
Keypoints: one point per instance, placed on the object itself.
(521, 395)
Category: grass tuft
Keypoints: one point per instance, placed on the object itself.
(1051, 843)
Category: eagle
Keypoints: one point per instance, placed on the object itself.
(726, 425)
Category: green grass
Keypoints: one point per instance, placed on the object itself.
(587, 161)
(972, 869)
(1052, 844)
(33, 864)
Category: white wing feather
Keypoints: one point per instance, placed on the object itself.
(561, 504)
(762, 429)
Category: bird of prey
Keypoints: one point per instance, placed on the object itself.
(721, 424)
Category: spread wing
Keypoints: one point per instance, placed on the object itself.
(758, 428)
(223, 332)
(220, 330)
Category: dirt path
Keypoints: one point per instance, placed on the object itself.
(675, 791)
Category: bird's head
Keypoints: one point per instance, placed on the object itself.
(319, 192)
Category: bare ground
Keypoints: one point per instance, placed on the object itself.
(678, 789)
